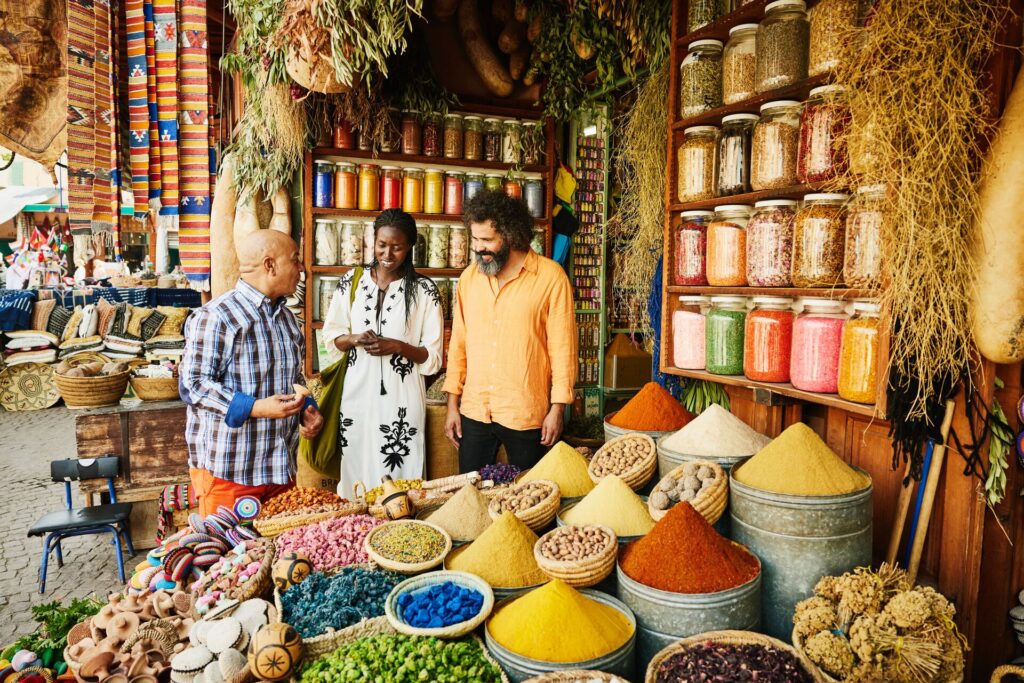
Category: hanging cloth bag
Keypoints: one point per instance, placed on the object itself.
(321, 453)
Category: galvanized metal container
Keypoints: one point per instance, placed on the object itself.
(611, 431)
(664, 617)
(668, 460)
(799, 539)
(519, 668)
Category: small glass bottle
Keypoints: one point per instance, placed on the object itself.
(346, 186)
(817, 336)
(432, 139)
(770, 243)
(369, 187)
(688, 332)
(862, 258)
(390, 187)
(727, 246)
(533, 193)
(437, 247)
(734, 144)
(819, 241)
(775, 146)
(411, 134)
(350, 243)
(412, 194)
(433, 191)
(739, 61)
(325, 242)
(768, 339)
(725, 327)
(700, 78)
(823, 123)
(473, 184)
(473, 138)
(695, 159)
(492, 139)
(458, 247)
(453, 136)
(323, 184)
(364, 143)
(690, 249)
(782, 43)
(858, 355)
(453, 193)
(700, 13)
(511, 134)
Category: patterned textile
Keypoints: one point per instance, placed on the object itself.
(58, 321)
(178, 497)
(79, 344)
(136, 317)
(241, 345)
(38, 337)
(175, 321)
(138, 104)
(121, 313)
(151, 103)
(71, 329)
(165, 28)
(16, 309)
(104, 190)
(151, 325)
(37, 356)
(41, 313)
(81, 114)
(105, 311)
(136, 296)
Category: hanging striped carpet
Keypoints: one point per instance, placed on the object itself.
(138, 104)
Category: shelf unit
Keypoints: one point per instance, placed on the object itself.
(313, 273)
(719, 30)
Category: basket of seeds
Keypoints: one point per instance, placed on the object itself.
(408, 546)
(581, 556)
(535, 502)
(633, 458)
(702, 483)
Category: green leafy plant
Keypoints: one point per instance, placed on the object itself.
(999, 443)
(55, 621)
(699, 394)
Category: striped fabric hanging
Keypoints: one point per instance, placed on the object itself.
(105, 200)
(138, 105)
(165, 26)
(81, 114)
(154, 130)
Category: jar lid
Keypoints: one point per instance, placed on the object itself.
(323, 220)
(453, 116)
(368, 166)
(866, 306)
(794, 4)
(826, 89)
(323, 162)
(742, 27)
(324, 278)
(727, 208)
(775, 202)
(426, 170)
(345, 163)
(700, 129)
(694, 299)
(513, 122)
(824, 305)
(394, 168)
(452, 174)
(494, 175)
(872, 189)
(707, 42)
(779, 104)
(728, 299)
(826, 197)
(696, 214)
(492, 120)
(471, 118)
(773, 300)
(438, 225)
(474, 173)
(739, 117)
(529, 123)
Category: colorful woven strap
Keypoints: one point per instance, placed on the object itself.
(154, 126)
(81, 114)
(165, 26)
(138, 104)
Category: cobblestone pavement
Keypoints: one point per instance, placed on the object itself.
(28, 442)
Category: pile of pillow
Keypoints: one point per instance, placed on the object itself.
(30, 346)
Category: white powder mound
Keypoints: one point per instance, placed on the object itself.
(717, 433)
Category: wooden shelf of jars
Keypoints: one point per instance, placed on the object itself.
(429, 272)
(419, 216)
(834, 293)
(791, 192)
(752, 105)
(444, 163)
(750, 13)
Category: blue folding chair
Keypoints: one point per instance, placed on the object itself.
(96, 519)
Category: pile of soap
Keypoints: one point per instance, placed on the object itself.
(439, 605)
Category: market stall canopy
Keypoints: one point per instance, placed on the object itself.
(13, 200)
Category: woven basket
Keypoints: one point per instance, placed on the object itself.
(123, 281)
(1006, 670)
(149, 282)
(574, 675)
(155, 388)
(710, 502)
(537, 517)
(406, 567)
(462, 579)
(728, 638)
(641, 473)
(259, 587)
(582, 573)
(92, 392)
(278, 524)
(47, 674)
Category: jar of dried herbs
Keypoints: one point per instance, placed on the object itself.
(817, 338)
(830, 21)
(819, 240)
(724, 333)
(473, 138)
(453, 136)
(533, 143)
(727, 246)
(537, 240)
(325, 242)
(700, 78)
(782, 44)
(858, 354)
(770, 243)
(695, 164)
(419, 252)
(437, 247)
(492, 139)
(392, 140)
(734, 154)
(432, 135)
(690, 249)
(458, 247)
(739, 61)
(702, 12)
(510, 142)
(823, 125)
(862, 260)
(411, 133)
(350, 244)
(775, 146)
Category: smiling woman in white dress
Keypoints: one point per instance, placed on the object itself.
(393, 332)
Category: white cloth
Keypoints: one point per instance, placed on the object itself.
(384, 434)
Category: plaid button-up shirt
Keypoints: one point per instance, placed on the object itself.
(241, 345)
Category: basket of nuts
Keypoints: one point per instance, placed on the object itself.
(535, 503)
(702, 483)
(581, 556)
(632, 457)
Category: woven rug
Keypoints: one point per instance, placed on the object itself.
(81, 114)
(138, 104)
(105, 200)
(154, 130)
(165, 27)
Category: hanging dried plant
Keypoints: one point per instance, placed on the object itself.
(367, 111)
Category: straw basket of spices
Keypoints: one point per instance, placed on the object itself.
(581, 556)
(702, 483)
(275, 525)
(425, 581)
(797, 667)
(631, 457)
(408, 546)
(534, 502)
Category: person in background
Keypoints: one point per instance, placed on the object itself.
(512, 360)
(393, 331)
(241, 377)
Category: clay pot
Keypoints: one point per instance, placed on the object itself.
(97, 667)
(115, 678)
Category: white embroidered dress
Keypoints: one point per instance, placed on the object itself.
(383, 433)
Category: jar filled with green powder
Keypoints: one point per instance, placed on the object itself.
(724, 335)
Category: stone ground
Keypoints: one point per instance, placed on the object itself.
(28, 442)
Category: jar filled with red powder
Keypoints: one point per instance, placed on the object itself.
(390, 187)
(823, 123)
(768, 339)
(344, 138)
(817, 340)
(453, 194)
(690, 249)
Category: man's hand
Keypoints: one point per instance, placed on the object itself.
(453, 421)
(278, 406)
(312, 423)
(383, 346)
(551, 428)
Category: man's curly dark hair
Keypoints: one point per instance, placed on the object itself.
(511, 218)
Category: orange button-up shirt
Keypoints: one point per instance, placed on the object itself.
(513, 350)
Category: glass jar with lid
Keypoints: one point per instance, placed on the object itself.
(534, 146)
(734, 144)
(412, 195)
(775, 146)
(437, 247)
(411, 133)
(538, 240)
(419, 252)
(444, 290)
(690, 249)
(433, 191)
(819, 241)
(739, 61)
(727, 246)
(364, 143)
(768, 339)
(858, 355)
(328, 285)
(493, 181)
(323, 184)
(510, 141)
(390, 187)
(695, 164)
(823, 122)
(782, 43)
(392, 140)
(453, 193)
(492, 139)
(369, 187)
(513, 186)
(473, 184)
(453, 136)
(830, 21)
(369, 235)
(700, 13)
(350, 243)
(344, 136)
(346, 186)
(817, 335)
(458, 247)
(473, 138)
(688, 330)
(700, 78)
(770, 243)
(325, 242)
(432, 139)
(533, 194)
(862, 258)
(723, 339)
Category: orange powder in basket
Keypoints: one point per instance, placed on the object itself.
(652, 410)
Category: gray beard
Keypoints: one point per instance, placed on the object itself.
(496, 263)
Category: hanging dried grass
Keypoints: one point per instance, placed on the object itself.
(640, 216)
